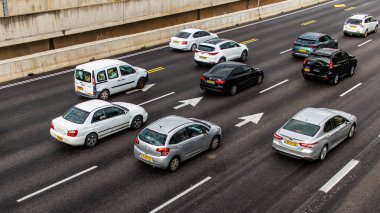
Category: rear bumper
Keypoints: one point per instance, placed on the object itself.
(308, 154)
(322, 77)
(212, 88)
(354, 32)
(87, 95)
(178, 46)
(161, 162)
(73, 141)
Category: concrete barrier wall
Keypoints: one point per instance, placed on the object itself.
(33, 27)
(74, 55)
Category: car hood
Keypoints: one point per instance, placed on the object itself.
(140, 70)
(294, 136)
(130, 107)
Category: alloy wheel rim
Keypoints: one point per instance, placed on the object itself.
(352, 130)
(174, 164)
(104, 95)
(233, 90)
(215, 143)
(336, 79)
(193, 48)
(91, 140)
(323, 153)
(352, 70)
(260, 79)
(137, 123)
(244, 56)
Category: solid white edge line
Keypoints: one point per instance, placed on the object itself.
(285, 51)
(56, 184)
(156, 98)
(180, 195)
(354, 87)
(278, 84)
(339, 176)
(364, 43)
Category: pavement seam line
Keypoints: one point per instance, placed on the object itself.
(354, 87)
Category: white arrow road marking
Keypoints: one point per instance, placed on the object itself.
(148, 86)
(250, 118)
(192, 102)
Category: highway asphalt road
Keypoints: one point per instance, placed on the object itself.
(244, 174)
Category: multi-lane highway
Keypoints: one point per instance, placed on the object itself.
(39, 174)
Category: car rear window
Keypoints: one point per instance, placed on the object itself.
(82, 75)
(153, 137)
(305, 41)
(76, 115)
(301, 127)
(354, 21)
(319, 57)
(221, 71)
(182, 35)
(206, 48)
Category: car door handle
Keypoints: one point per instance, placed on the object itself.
(179, 146)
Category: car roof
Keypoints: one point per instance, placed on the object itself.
(314, 115)
(91, 105)
(326, 51)
(99, 64)
(167, 124)
(311, 35)
(215, 41)
(191, 30)
(359, 16)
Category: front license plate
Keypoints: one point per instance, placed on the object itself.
(146, 157)
(302, 51)
(291, 143)
(59, 138)
(79, 88)
(306, 69)
(210, 82)
(202, 57)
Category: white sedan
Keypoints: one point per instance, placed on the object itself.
(189, 39)
(89, 121)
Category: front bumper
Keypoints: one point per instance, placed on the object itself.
(74, 141)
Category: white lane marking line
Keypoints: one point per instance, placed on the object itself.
(262, 91)
(285, 51)
(343, 94)
(364, 43)
(163, 96)
(339, 176)
(56, 184)
(180, 195)
(35, 79)
(277, 17)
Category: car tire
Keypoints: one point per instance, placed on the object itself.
(140, 83)
(323, 153)
(260, 79)
(221, 60)
(174, 164)
(91, 140)
(352, 70)
(352, 131)
(203, 91)
(365, 34)
(375, 30)
(233, 90)
(137, 122)
(335, 46)
(215, 143)
(104, 95)
(335, 80)
(193, 48)
(345, 34)
(244, 56)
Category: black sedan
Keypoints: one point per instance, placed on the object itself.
(230, 77)
(329, 65)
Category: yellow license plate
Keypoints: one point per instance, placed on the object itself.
(353, 26)
(306, 69)
(202, 57)
(79, 88)
(146, 157)
(176, 42)
(302, 51)
(291, 143)
(210, 82)
(59, 138)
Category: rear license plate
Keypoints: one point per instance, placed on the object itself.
(306, 69)
(210, 82)
(59, 138)
(146, 157)
(202, 57)
(353, 27)
(302, 51)
(291, 143)
(79, 88)
(176, 42)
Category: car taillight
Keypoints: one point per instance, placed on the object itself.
(93, 81)
(305, 61)
(215, 53)
(137, 141)
(72, 133)
(331, 65)
(308, 145)
(314, 47)
(51, 125)
(220, 81)
(164, 151)
(203, 78)
(278, 137)
(184, 42)
(197, 51)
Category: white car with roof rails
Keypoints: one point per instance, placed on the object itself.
(216, 51)
(360, 24)
(87, 122)
(189, 39)
(102, 78)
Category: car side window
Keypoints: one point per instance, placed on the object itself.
(225, 46)
(195, 130)
(204, 33)
(112, 73)
(323, 39)
(113, 112)
(367, 20)
(179, 136)
(99, 115)
(344, 55)
(247, 69)
(338, 120)
(197, 35)
(101, 76)
(126, 70)
(329, 126)
(238, 71)
(337, 58)
(234, 44)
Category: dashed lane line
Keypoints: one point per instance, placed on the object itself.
(276, 85)
(339, 176)
(309, 22)
(285, 51)
(354, 87)
(249, 41)
(364, 43)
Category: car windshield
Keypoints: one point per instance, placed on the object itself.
(182, 35)
(206, 48)
(153, 137)
(301, 127)
(221, 71)
(76, 115)
(305, 41)
(354, 21)
(82, 75)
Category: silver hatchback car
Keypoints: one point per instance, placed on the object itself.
(173, 139)
(312, 132)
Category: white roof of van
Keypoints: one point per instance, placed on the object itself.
(99, 64)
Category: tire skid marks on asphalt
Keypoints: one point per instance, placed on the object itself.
(354, 87)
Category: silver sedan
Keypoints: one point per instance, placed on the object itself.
(312, 132)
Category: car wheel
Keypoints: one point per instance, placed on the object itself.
(352, 71)
(335, 46)
(215, 143)
(335, 80)
(140, 83)
(174, 164)
(137, 122)
(323, 153)
(345, 34)
(221, 60)
(365, 34)
(375, 30)
(260, 79)
(244, 56)
(193, 48)
(104, 95)
(91, 140)
(233, 90)
(352, 131)
(203, 91)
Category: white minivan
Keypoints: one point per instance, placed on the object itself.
(102, 78)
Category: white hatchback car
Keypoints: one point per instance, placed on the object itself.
(89, 121)
(102, 78)
(360, 24)
(189, 39)
(220, 50)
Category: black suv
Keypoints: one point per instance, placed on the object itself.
(230, 77)
(329, 65)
